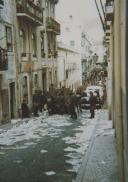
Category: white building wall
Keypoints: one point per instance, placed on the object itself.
(67, 60)
(70, 33)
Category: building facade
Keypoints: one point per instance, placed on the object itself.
(8, 83)
(29, 15)
(28, 52)
(37, 51)
(116, 42)
(49, 33)
(70, 49)
(69, 67)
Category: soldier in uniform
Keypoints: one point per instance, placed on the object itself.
(73, 108)
(36, 101)
(24, 108)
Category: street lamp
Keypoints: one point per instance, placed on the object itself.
(95, 57)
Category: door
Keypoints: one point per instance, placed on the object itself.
(12, 99)
(44, 81)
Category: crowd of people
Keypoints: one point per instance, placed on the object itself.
(55, 102)
(60, 101)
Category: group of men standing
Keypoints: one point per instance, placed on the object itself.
(71, 105)
(38, 102)
(58, 104)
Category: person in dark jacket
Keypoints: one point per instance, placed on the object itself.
(25, 109)
(73, 108)
(42, 100)
(92, 101)
(36, 101)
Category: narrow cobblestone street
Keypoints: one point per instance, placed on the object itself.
(52, 149)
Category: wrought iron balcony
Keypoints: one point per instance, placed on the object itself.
(107, 39)
(1, 4)
(109, 9)
(52, 25)
(28, 10)
(54, 1)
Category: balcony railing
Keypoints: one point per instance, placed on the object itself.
(52, 54)
(49, 63)
(54, 1)
(27, 9)
(52, 25)
(109, 8)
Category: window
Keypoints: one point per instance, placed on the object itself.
(50, 77)
(36, 80)
(49, 49)
(42, 43)
(52, 11)
(48, 44)
(72, 43)
(60, 84)
(9, 39)
(46, 4)
(25, 86)
(22, 42)
(82, 42)
(25, 81)
(34, 45)
(42, 46)
(67, 74)
(54, 44)
(55, 77)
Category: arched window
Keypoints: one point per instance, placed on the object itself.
(22, 42)
(34, 48)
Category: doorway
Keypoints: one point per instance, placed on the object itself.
(44, 81)
(12, 99)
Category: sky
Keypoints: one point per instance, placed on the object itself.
(85, 14)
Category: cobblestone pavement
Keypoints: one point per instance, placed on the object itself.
(100, 161)
(45, 148)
